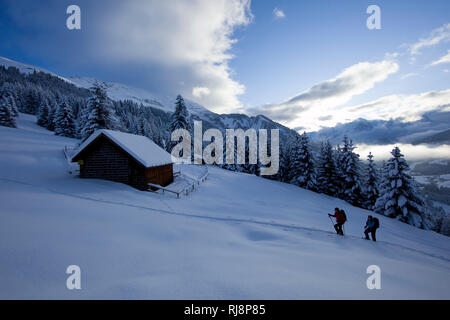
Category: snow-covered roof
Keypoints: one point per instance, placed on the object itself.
(141, 148)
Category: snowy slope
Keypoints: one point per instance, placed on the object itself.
(26, 68)
(237, 236)
(117, 91)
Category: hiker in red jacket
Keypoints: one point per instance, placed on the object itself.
(340, 220)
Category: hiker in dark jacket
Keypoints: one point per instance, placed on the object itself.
(340, 220)
(372, 225)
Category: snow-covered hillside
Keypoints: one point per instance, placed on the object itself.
(26, 68)
(237, 236)
(118, 91)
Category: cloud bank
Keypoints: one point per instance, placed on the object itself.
(404, 107)
(194, 36)
(390, 131)
(168, 47)
(305, 108)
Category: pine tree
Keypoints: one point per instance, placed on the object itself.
(7, 92)
(284, 172)
(349, 171)
(43, 116)
(6, 116)
(400, 197)
(179, 120)
(82, 120)
(302, 166)
(143, 126)
(51, 116)
(340, 177)
(326, 170)
(64, 122)
(100, 114)
(31, 101)
(371, 188)
(433, 216)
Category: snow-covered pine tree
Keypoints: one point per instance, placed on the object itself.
(302, 165)
(7, 92)
(433, 217)
(283, 174)
(99, 111)
(179, 120)
(51, 116)
(143, 125)
(43, 116)
(349, 170)
(326, 170)
(371, 188)
(80, 119)
(64, 122)
(400, 198)
(339, 181)
(158, 138)
(31, 101)
(6, 116)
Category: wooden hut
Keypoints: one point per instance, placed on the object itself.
(123, 157)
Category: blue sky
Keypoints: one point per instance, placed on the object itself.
(318, 39)
(238, 56)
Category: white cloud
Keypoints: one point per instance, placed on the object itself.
(199, 92)
(191, 36)
(436, 36)
(278, 13)
(305, 108)
(406, 107)
(310, 108)
(444, 59)
(408, 75)
(391, 55)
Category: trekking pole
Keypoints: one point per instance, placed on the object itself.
(331, 220)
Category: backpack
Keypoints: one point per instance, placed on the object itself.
(377, 223)
(344, 215)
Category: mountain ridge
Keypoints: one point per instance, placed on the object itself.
(117, 91)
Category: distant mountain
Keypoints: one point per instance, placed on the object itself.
(439, 138)
(433, 128)
(118, 91)
(434, 177)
